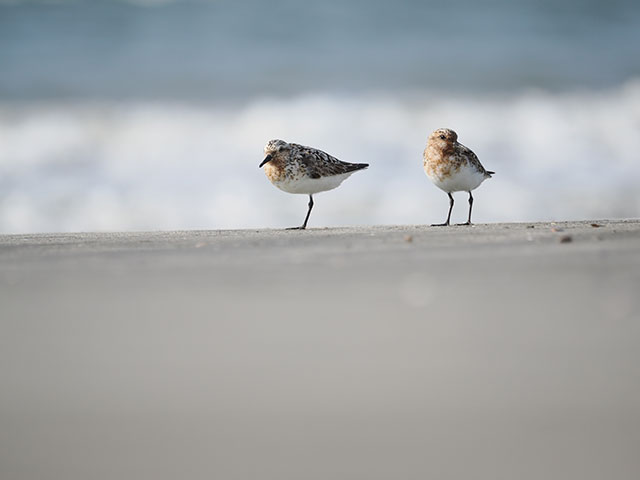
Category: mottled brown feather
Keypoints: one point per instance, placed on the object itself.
(444, 157)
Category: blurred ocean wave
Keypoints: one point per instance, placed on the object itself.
(116, 165)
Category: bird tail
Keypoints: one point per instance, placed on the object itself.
(490, 173)
(357, 166)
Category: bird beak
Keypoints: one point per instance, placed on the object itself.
(266, 159)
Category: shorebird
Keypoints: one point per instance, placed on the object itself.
(295, 168)
(452, 167)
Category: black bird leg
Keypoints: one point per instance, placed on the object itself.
(446, 224)
(470, 207)
(304, 225)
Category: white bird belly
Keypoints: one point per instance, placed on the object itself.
(465, 179)
(311, 185)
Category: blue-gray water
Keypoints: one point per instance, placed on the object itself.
(238, 49)
(152, 114)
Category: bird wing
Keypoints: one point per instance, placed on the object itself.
(310, 165)
(472, 158)
(320, 164)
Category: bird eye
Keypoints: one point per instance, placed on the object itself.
(443, 137)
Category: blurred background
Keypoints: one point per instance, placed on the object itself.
(151, 114)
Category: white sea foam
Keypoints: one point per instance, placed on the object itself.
(130, 166)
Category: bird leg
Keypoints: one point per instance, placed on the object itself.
(304, 225)
(470, 207)
(446, 224)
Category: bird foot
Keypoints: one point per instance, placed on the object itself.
(445, 224)
(461, 224)
(301, 227)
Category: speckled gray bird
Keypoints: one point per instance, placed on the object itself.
(295, 168)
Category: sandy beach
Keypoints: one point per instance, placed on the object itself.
(501, 351)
